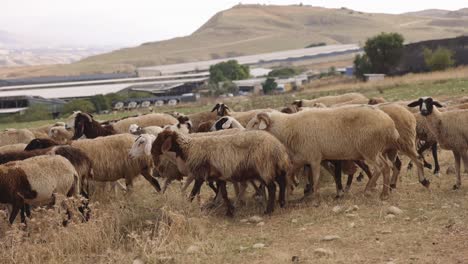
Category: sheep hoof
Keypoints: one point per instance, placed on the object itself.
(360, 177)
(316, 203)
(392, 186)
(437, 173)
(429, 166)
(339, 195)
(426, 183)
(456, 186)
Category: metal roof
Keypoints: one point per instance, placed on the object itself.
(12, 110)
(86, 90)
(256, 59)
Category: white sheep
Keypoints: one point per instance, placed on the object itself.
(61, 134)
(137, 130)
(13, 147)
(345, 133)
(449, 128)
(348, 98)
(151, 119)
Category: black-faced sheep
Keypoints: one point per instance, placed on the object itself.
(228, 158)
(449, 129)
(242, 117)
(84, 124)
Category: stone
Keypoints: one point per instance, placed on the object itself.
(389, 217)
(337, 209)
(330, 238)
(322, 252)
(255, 219)
(261, 224)
(294, 221)
(394, 210)
(193, 249)
(258, 245)
(242, 248)
(138, 261)
(352, 209)
(351, 215)
(244, 220)
(352, 225)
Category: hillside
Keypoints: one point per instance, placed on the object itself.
(250, 29)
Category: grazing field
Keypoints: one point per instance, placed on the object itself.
(165, 228)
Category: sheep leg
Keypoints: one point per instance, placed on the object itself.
(457, 157)
(213, 187)
(361, 164)
(147, 174)
(309, 188)
(377, 170)
(338, 184)
(436, 159)
(413, 155)
(222, 189)
(196, 188)
(271, 198)
(465, 161)
(396, 172)
(282, 183)
(349, 182)
(315, 180)
(421, 150)
(241, 195)
(187, 183)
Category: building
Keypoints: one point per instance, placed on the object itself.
(257, 60)
(19, 104)
(372, 77)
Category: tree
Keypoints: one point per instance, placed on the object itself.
(284, 72)
(230, 87)
(269, 85)
(100, 103)
(228, 71)
(361, 66)
(79, 104)
(438, 60)
(384, 51)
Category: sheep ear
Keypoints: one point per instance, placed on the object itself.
(262, 125)
(437, 104)
(166, 146)
(297, 103)
(89, 117)
(227, 124)
(264, 120)
(216, 107)
(414, 104)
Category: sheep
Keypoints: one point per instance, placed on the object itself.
(345, 133)
(427, 140)
(36, 181)
(61, 134)
(166, 168)
(43, 131)
(205, 126)
(350, 98)
(252, 154)
(201, 117)
(183, 126)
(134, 129)
(84, 124)
(110, 161)
(15, 136)
(152, 119)
(449, 129)
(242, 117)
(40, 143)
(226, 122)
(376, 100)
(13, 147)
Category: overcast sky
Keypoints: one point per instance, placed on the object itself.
(131, 22)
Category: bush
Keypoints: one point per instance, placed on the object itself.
(384, 52)
(313, 45)
(284, 72)
(79, 105)
(438, 60)
(100, 103)
(228, 71)
(269, 85)
(33, 113)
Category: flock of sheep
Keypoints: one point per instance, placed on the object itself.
(262, 148)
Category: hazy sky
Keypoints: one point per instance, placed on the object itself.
(131, 22)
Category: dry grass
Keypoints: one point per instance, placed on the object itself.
(160, 228)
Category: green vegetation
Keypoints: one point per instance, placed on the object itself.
(228, 71)
(35, 112)
(313, 45)
(284, 72)
(79, 105)
(382, 53)
(438, 60)
(269, 85)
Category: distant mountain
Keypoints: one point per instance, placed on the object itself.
(7, 39)
(252, 29)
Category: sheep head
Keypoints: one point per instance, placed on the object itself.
(81, 120)
(221, 109)
(185, 120)
(167, 143)
(261, 121)
(222, 123)
(142, 146)
(298, 103)
(426, 105)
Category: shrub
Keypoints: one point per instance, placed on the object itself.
(79, 105)
(228, 71)
(361, 66)
(269, 85)
(438, 60)
(384, 51)
(284, 72)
